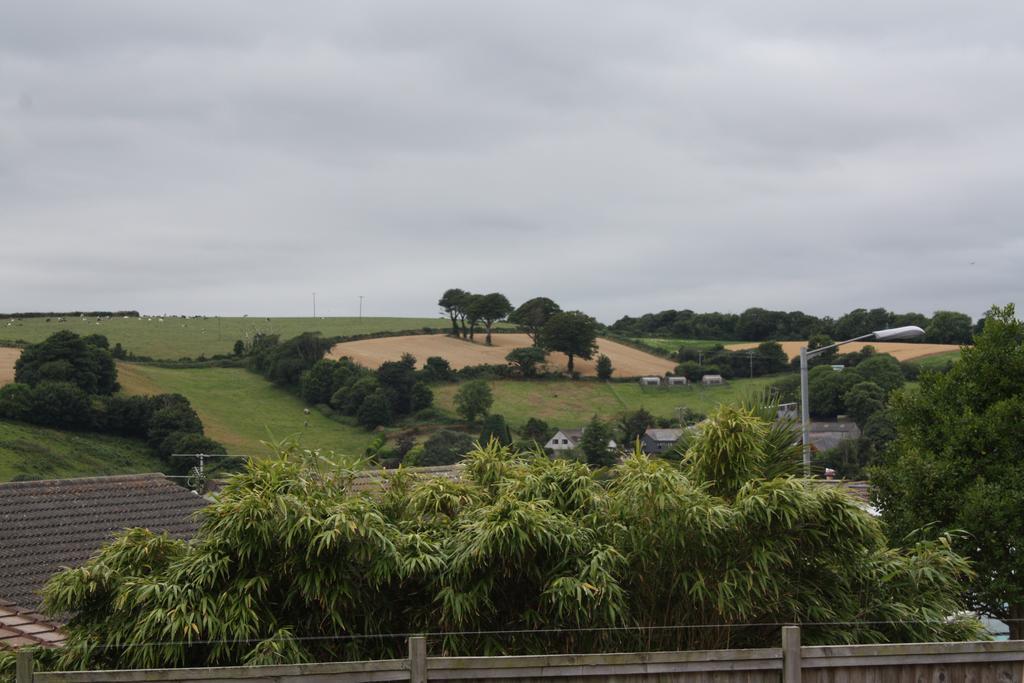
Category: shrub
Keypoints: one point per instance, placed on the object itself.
(495, 427)
(604, 367)
(474, 399)
(437, 369)
(375, 410)
(66, 357)
(62, 405)
(421, 397)
(444, 447)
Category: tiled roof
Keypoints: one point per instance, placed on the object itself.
(47, 525)
(665, 435)
(20, 627)
(373, 481)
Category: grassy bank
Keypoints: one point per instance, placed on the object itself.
(172, 338)
(673, 345)
(240, 409)
(27, 451)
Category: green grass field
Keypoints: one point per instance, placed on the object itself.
(41, 453)
(936, 362)
(569, 404)
(174, 338)
(673, 345)
(238, 407)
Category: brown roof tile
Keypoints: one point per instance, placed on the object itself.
(31, 628)
(47, 525)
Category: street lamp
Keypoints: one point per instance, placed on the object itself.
(908, 332)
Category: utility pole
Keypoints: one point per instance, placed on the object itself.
(750, 355)
(360, 306)
(314, 305)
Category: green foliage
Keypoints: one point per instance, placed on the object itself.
(495, 427)
(526, 359)
(826, 388)
(66, 357)
(474, 399)
(375, 410)
(949, 327)
(633, 425)
(437, 369)
(452, 303)
(958, 463)
(537, 431)
(594, 443)
(289, 552)
(862, 400)
(489, 309)
(883, 370)
(284, 363)
(420, 397)
(532, 315)
(572, 333)
(604, 367)
(444, 447)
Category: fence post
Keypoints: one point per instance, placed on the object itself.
(791, 665)
(24, 666)
(417, 659)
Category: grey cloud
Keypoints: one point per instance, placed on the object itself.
(232, 157)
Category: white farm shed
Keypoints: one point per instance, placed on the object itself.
(677, 381)
(712, 379)
(651, 381)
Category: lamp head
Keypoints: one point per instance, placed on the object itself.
(907, 332)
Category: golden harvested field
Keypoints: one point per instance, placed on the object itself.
(901, 351)
(7, 360)
(627, 361)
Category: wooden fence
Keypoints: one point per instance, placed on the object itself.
(974, 662)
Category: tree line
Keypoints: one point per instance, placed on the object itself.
(759, 324)
(70, 382)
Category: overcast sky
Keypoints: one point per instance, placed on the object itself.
(622, 157)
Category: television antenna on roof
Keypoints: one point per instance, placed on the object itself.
(196, 478)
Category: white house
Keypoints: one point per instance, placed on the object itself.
(711, 379)
(567, 439)
(650, 381)
(677, 381)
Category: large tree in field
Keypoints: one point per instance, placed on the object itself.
(451, 303)
(66, 357)
(958, 464)
(291, 557)
(572, 333)
(533, 314)
(489, 309)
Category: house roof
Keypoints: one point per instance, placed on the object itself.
(47, 525)
(665, 435)
(21, 627)
(374, 481)
(574, 434)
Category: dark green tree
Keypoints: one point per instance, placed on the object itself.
(771, 358)
(572, 333)
(474, 399)
(526, 359)
(958, 464)
(421, 396)
(489, 309)
(633, 425)
(239, 348)
(604, 367)
(66, 357)
(594, 443)
(495, 427)
(532, 315)
(862, 400)
(883, 370)
(949, 327)
(536, 430)
(827, 389)
(375, 410)
(444, 447)
(437, 369)
(451, 303)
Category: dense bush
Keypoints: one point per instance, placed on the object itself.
(444, 447)
(285, 362)
(292, 555)
(66, 357)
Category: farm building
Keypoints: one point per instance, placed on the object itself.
(657, 441)
(567, 439)
(650, 381)
(712, 379)
(677, 381)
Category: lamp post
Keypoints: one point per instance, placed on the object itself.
(908, 332)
